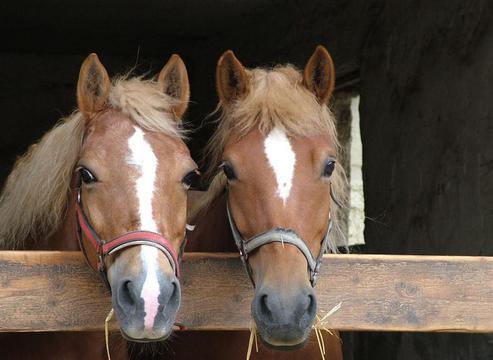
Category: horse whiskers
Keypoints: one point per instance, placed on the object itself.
(253, 338)
(321, 324)
(107, 332)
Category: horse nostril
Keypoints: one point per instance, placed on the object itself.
(263, 303)
(175, 293)
(264, 307)
(126, 295)
(312, 305)
(170, 298)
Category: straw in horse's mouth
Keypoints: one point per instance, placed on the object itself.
(319, 326)
(251, 340)
(107, 331)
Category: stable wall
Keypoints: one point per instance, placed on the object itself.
(43, 46)
(426, 122)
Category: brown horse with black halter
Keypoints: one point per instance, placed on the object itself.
(275, 181)
(111, 178)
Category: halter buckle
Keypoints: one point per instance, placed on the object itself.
(315, 273)
(314, 278)
(101, 266)
(243, 252)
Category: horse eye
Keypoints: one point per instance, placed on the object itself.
(329, 168)
(191, 180)
(228, 171)
(86, 176)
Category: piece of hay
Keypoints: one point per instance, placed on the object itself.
(107, 332)
(253, 338)
(321, 324)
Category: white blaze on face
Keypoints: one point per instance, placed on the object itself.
(143, 157)
(282, 159)
(150, 290)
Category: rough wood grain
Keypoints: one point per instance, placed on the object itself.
(55, 291)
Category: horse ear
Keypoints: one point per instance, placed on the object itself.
(173, 80)
(93, 86)
(319, 74)
(231, 78)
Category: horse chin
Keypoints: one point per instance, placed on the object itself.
(284, 347)
(146, 340)
(282, 344)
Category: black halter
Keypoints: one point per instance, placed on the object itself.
(282, 235)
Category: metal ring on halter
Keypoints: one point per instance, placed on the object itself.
(281, 235)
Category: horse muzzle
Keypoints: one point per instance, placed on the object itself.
(284, 321)
(145, 303)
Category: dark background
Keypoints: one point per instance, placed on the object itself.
(424, 70)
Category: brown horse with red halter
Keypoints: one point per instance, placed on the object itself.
(275, 196)
(111, 178)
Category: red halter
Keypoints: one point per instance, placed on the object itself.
(107, 247)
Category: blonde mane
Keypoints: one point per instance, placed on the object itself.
(276, 98)
(34, 199)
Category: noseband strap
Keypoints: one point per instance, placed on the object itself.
(280, 235)
(103, 248)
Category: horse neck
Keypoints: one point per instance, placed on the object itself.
(212, 232)
(64, 238)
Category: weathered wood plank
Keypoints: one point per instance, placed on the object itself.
(55, 291)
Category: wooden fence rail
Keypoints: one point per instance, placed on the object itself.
(56, 291)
